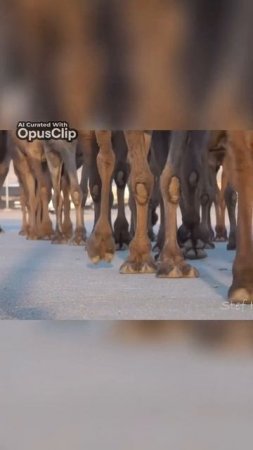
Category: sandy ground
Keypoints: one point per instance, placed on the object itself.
(68, 386)
(43, 281)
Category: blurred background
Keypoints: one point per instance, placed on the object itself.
(125, 385)
(145, 64)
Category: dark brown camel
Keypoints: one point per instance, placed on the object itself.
(196, 192)
(120, 176)
(225, 195)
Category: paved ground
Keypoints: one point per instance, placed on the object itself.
(68, 386)
(42, 281)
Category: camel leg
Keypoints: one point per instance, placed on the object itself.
(95, 185)
(220, 208)
(21, 167)
(206, 201)
(132, 207)
(25, 225)
(3, 174)
(90, 152)
(84, 187)
(121, 225)
(45, 195)
(121, 174)
(231, 201)
(100, 245)
(172, 263)
(55, 168)
(27, 181)
(160, 237)
(32, 208)
(140, 259)
(4, 169)
(44, 224)
(69, 160)
(67, 227)
(240, 148)
(153, 205)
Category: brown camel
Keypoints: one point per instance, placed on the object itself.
(240, 165)
(89, 145)
(104, 50)
(5, 158)
(61, 155)
(32, 172)
(101, 244)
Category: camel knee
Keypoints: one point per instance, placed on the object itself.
(44, 192)
(96, 193)
(170, 187)
(120, 179)
(76, 197)
(204, 199)
(106, 159)
(142, 188)
(230, 197)
(141, 194)
(193, 179)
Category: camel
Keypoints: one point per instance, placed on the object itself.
(225, 196)
(32, 173)
(196, 192)
(172, 263)
(61, 155)
(101, 244)
(5, 159)
(240, 170)
(121, 174)
(90, 148)
(104, 50)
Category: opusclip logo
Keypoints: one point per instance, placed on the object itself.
(29, 131)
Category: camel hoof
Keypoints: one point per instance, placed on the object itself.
(168, 270)
(231, 243)
(24, 232)
(152, 236)
(95, 260)
(78, 240)
(241, 295)
(67, 230)
(220, 238)
(59, 239)
(209, 246)
(121, 247)
(122, 236)
(194, 253)
(132, 267)
(100, 247)
(32, 237)
(221, 234)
